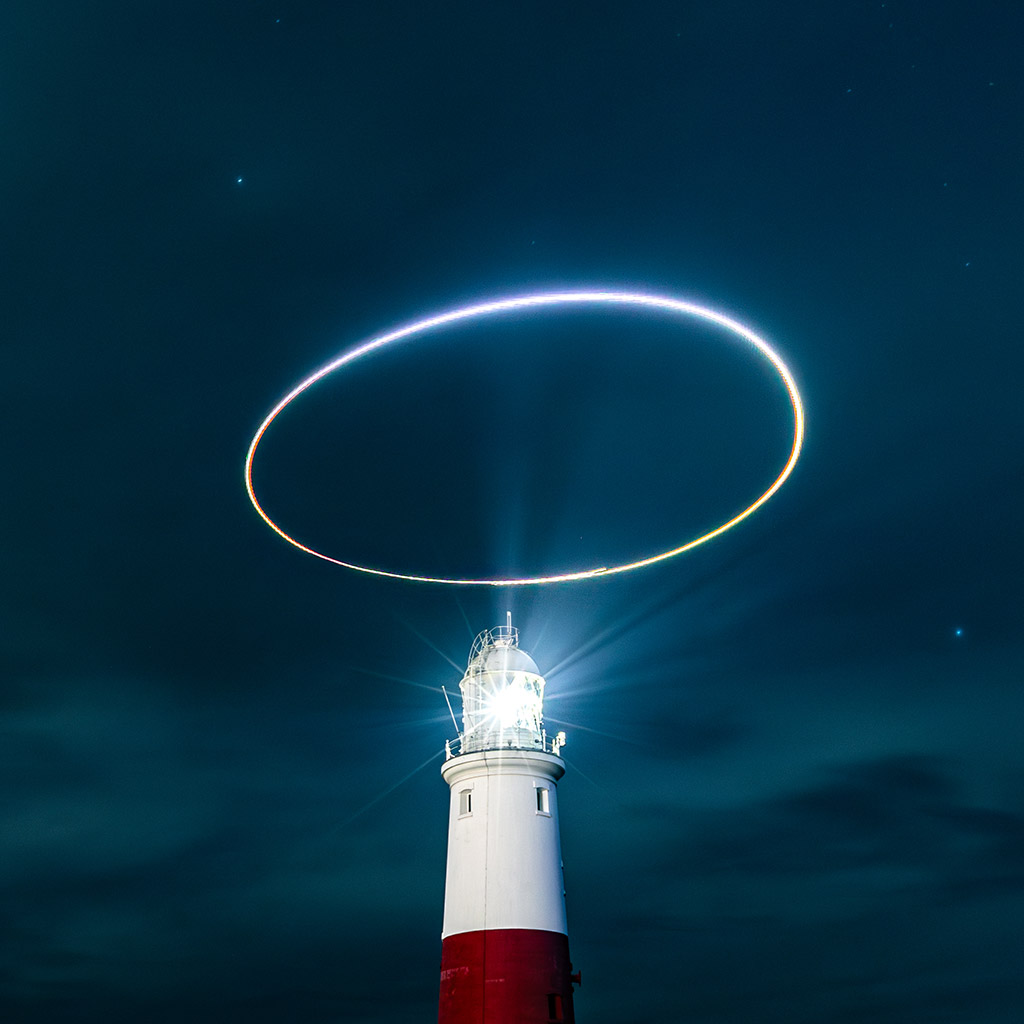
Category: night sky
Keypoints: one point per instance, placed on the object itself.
(795, 787)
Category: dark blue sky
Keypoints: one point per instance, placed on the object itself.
(795, 761)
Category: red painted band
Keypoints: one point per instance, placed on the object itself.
(506, 976)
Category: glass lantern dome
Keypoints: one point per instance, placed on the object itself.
(502, 695)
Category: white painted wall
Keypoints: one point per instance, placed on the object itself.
(504, 858)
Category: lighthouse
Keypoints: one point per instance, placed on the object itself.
(504, 944)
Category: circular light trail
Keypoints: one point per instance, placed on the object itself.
(542, 301)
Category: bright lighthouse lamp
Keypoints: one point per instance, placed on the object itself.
(522, 303)
(518, 704)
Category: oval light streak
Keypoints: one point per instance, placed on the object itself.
(579, 298)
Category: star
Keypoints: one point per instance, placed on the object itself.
(239, 181)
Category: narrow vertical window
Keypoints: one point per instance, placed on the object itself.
(465, 802)
(555, 1007)
(542, 801)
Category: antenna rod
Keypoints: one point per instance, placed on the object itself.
(509, 621)
(452, 713)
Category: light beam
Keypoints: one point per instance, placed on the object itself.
(543, 300)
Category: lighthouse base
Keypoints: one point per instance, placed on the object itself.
(506, 976)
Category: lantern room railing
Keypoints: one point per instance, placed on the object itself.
(500, 636)
(549, 744)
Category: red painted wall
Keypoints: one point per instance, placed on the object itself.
(505, 976)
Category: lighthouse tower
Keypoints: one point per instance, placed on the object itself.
(504, 948)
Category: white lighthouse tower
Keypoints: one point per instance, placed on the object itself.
(504, 947)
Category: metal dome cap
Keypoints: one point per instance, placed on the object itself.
(503, 659)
